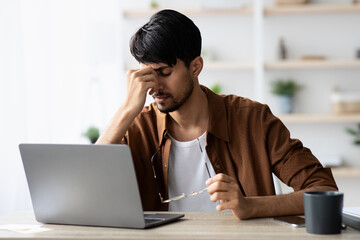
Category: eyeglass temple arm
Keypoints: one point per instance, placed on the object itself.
(152, 162)
(157, 183)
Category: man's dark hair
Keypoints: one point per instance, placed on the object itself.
(167, 36)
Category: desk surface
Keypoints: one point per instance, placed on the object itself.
(193, 226)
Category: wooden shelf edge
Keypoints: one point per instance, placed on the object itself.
(312, 8)
(190, 12)
(275, 10)
(319, 118)
(277, 65)
(212, 65)
(312, 64)
(340, 172)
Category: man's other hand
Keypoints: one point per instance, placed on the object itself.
(226, 189)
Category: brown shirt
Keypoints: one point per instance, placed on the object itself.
(244, 140)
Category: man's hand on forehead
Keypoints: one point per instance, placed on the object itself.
(158, 69)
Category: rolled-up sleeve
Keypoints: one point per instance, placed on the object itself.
(291, 162)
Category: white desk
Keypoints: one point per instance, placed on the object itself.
(193, 226)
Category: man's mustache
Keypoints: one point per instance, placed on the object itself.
(161, 94)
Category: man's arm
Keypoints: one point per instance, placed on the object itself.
(138, 84)
(224, 188)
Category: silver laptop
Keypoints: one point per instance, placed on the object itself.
(92, 185)
(351, 217)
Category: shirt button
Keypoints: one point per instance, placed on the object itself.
(165, 166)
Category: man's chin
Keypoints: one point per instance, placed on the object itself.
(166, 109)
(162, 108)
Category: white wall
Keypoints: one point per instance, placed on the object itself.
(60, 72)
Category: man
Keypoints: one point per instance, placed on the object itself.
(191, 135)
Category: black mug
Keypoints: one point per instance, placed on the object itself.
(323, 212)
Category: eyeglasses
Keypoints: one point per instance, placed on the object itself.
(182, 196)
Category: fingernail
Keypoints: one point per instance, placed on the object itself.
(208, 181)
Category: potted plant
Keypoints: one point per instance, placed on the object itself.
(285, 90)
(154, 4)
(355, 134)
(216, 88)
(92, 134)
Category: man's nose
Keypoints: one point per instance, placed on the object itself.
(161, 83)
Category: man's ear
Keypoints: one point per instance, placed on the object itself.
(196, 66)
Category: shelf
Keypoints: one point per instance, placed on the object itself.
(312, 64)
(190, 12)
(319, 118)
(276, 10)
(213, 65)
(276, 65)
(312, 8)
(347, 172)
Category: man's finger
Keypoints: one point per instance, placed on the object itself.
(224, 206)
(222, 187)
(147, 78)
(220, 177)
(223, 196)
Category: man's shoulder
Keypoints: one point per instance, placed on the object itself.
(238, 102)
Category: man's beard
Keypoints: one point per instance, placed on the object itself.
(176, 103)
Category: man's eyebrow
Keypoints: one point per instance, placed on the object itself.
(161, 68)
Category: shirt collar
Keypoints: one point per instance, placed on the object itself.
(217, 125)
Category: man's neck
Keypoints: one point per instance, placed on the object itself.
(191, 119)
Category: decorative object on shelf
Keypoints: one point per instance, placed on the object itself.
(312, 58)
(282, 49)
(290, 2)
(154, 4)
(92, 134)
(355, 1)
(216, 88)
(356, 134)
(285, 90)
(358, 53)
(345, 102)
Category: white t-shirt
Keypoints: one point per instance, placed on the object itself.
(187, 173)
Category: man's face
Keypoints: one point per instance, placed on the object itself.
(175, 86)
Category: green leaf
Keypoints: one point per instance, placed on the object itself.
(285, 87)
(216, 88)
(92, 134)
(352, 131)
